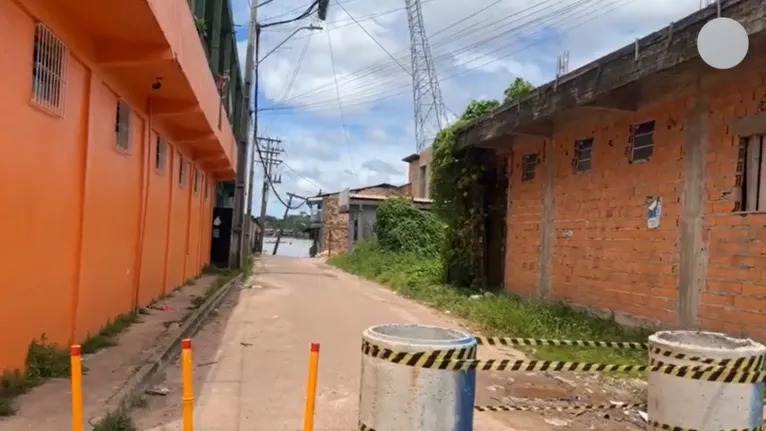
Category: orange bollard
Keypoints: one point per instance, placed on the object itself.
(76, 377)
(187, 398)
(311, 388)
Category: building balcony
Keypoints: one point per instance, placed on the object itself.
(153, 49)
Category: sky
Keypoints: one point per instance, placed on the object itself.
(340, 99)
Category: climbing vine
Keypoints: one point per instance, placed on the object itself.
(457, 192)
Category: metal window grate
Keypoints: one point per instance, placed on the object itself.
(642, 142)
(160, 154)
(122, 125)
(529, 164)
(205, 186)
(49, 64)
(582, 150)
(196, 181)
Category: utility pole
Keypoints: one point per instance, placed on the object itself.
(290, 197)
(269, 154)
(254, 148)
(241, 223)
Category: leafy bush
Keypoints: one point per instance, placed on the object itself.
(401, 227)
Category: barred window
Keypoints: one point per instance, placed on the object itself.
(181, 172)
(751, 174)
(642, 141)
(49, 61)
(582, 152)
(160, 154)
(122, 125)
(528, 167)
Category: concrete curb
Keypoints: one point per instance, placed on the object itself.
(138, 382)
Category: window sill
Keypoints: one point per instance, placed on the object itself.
(42, 109)
(746, 213)
(122, 150)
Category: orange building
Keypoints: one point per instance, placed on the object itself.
(636, 184)
(115, 132)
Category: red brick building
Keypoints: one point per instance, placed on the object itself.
(590, 155)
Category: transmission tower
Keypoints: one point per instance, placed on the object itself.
(427, 97)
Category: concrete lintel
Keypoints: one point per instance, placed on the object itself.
(660, 51)
(169, 107)
(119, 53)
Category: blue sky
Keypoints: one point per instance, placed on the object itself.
(478, 48)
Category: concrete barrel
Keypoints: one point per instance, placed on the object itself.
(698, 404)
(398, 397)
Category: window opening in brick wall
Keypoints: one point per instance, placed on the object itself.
(49, 61)
(582, 151)
(181, 172)
(642, 141)
(160, 154)
(197, 179)
(751, 174)
(422, 181)
(528, 166)
(122, 125)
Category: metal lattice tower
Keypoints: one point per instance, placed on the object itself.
(427, 97)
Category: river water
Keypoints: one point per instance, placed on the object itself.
(288, 246)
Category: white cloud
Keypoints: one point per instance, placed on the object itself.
(478, 47)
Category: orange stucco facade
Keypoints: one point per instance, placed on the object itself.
(94, 222)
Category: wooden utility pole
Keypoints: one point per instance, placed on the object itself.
(290, 197)
(268, 153)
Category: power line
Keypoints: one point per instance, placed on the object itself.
(373, 39)
(340, 106)
(363, 95)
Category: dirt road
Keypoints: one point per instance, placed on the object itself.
(251, 360)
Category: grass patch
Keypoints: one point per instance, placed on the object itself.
(502, 315)
(107, 337)
(44, 361)
(118, 420)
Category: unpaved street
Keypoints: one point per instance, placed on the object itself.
(251, 359)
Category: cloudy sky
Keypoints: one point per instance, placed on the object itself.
(343, 107)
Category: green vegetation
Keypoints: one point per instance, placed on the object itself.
(400, 226)
(44, 361)
(457, 192)
(107, 337)
(418, 278)
(118, 420)
(294, 222)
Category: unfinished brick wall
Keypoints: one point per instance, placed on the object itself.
(601, 253)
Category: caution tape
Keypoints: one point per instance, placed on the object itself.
(441, 360)
(503, 341)
(576, 407)
(667, 427)
(744, 363)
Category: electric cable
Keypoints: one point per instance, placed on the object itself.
(271, 183)
(383, 67)
(408, 72)
(362, 97)
(340, 106)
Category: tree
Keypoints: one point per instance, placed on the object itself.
(477, 108)
(518, 88)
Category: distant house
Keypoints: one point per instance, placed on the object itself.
(341, 219)
(418, 173)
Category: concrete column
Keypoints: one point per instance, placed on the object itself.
(693, 253)
(546, 224)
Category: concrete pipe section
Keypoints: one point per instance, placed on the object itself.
(398, 397)
(704, 405)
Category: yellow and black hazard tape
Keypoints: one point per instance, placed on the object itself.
(442, 360)
(572, 408)
(503, 341)
(754, 363)
(667, 427)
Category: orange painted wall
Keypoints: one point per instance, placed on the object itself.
(74, 206)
